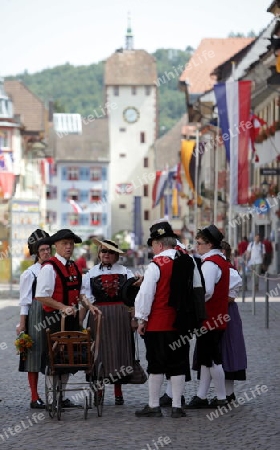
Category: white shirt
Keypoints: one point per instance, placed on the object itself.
(235, 282)
(46, 279)
(211, 272)
(257, 251)
(146, 294)
(25, 287)
(95, 271)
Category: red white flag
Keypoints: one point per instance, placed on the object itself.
(76, 207)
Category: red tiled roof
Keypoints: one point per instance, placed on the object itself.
(210, 53)
(31, 109)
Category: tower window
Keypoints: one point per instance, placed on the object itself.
(146, 190)
(133, 90)
(122, 206)
(146, 215)
(116, 91)
(142, 137)
(146, 162)
(148, 90)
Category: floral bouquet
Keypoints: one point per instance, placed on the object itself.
(23, 343)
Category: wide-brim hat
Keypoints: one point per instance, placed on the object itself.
(107, 243)
(129, 292)
(65, 234)
(36, 239)
(213, 235)
(160, 230)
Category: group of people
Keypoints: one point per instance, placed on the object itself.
(175, 285)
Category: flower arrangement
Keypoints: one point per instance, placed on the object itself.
(267, 132)
(23, 343)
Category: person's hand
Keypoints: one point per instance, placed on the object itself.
(134, 324)
(69, 310)
(95, 311)
(139, 280)
(142, 328)
(20, 328)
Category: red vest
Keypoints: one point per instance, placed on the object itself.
(217, 306)
(67, 283)
(162, 316)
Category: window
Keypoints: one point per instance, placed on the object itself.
(133, 90)
(146, 162)
(51, 217)
(142, 137)
(95, 219)
(122, 155)
(73, 194)
(116, 91)
(73, 219)
(146, 215)
(72, 173)
(95, 173)
(51, 192)
(5, 139)
(146, 190)
(95, 195)
(148, 90)
(122, 206)
(122, 130)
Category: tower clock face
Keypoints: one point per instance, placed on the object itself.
(131, 114)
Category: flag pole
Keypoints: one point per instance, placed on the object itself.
(216, 173)
(196, 178)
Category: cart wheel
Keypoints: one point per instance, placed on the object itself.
(90, 400)
(99, 391)
(59, 399)
(50, 392)
(85, 407)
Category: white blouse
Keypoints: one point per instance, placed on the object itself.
(25, 287)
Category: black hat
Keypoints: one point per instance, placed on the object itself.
(213, 235)
(160, 230)
(65, 234)
(37, 238)
(129, 292)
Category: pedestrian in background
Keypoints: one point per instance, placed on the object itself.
(255, 257)
(31, 313)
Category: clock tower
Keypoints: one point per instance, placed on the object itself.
(131, 102)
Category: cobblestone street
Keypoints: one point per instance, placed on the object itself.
(252, 425)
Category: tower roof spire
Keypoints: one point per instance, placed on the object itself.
(129, 34)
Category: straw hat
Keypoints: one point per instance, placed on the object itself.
(107, 243)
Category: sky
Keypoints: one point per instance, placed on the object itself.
(40, 34)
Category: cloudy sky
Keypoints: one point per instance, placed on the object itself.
(39, 34)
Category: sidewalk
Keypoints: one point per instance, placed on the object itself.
(252, 425)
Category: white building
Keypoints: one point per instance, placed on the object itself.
(131, 104)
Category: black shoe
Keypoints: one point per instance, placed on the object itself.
(177, 412)
(149, 412)
(37, 404)
(119, 400)
(214, 403)
(231, 397)
(198, 403)
(68, 404)
(165, 400)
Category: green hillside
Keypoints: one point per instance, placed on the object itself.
(79, 89)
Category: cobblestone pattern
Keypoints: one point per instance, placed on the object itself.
(253, 425)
